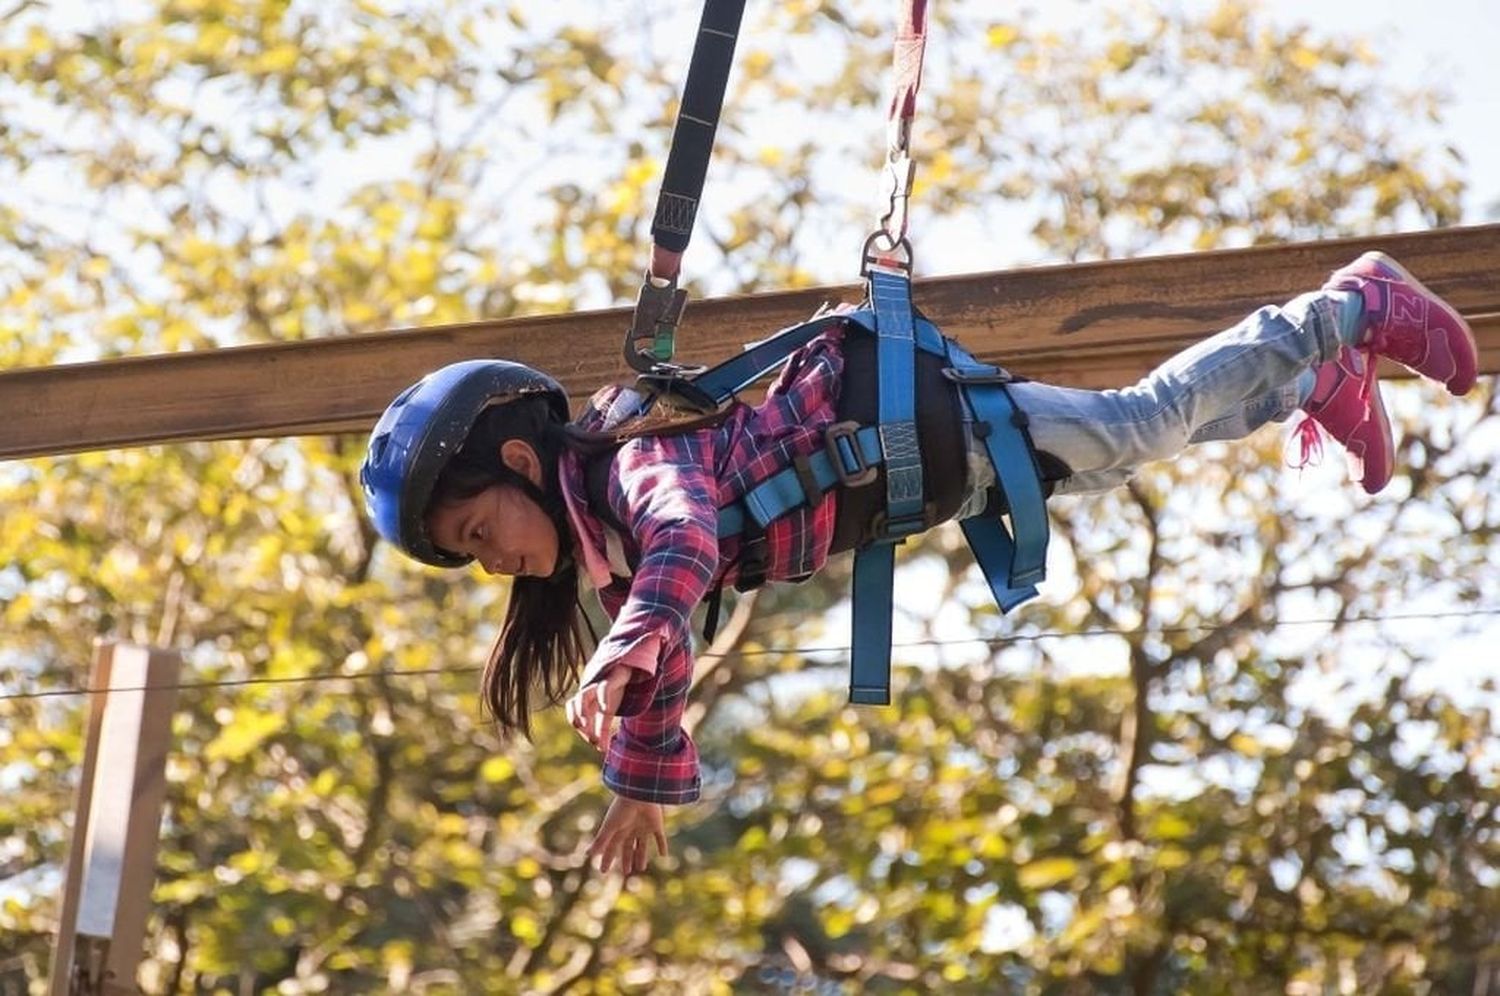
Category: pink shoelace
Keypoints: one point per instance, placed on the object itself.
(1309, 440)
(1308, 435)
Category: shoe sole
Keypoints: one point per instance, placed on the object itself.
(1405, 275)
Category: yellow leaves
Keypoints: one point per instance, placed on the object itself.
(386, 216)
(1121, 55)
(1172, 858)
(1304, 58)
(217, 40)
(1002, 35)
(752, 840)
(885, 794)
(757, 64)
(250, 861)
(245, 732)
(1167, 825)
(36, 41)
(276, 59)
(419, 267)
(526, 928)
(497, 769)
(1045, 873)
(838, 921)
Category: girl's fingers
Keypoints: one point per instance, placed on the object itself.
(661, 842)
(603, 844)
(579, 711)
(602, 713)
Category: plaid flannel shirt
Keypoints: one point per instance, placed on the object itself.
(666, 491)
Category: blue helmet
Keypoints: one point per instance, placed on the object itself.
(420, 432)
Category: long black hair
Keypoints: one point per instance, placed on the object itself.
(541, 646)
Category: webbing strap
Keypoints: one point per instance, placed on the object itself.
(697, 121)
(911, 40)
(896, 379)
(725, 380)
(659, 303)
(1015, 466)
(785, 490)
(995, 552)
(870, 654)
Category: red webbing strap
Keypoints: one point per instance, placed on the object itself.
(911, 40)
(888, 245)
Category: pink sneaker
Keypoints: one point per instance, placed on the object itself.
(1409, 323)
(1339, 403)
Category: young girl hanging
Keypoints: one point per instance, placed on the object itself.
(478, 462)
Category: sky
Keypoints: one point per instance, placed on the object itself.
(1454, 43)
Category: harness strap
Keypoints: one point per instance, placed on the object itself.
(910, 42)
(697, 122)
(875, 564)
(896, 379)
(870, 654)
(660, 302)
(723, 381)
(845, 457)
(1002, 428)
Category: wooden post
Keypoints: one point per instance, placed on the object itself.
(112, 864)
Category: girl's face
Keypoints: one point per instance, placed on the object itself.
(501, 528)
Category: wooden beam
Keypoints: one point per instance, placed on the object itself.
(1094, 325)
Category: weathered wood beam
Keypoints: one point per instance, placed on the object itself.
(1088, 325)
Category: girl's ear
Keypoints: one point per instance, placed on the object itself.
(518, 455)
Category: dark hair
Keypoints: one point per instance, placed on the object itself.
(541, 646)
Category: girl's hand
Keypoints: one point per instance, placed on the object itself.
(626, 834)
(592, 710)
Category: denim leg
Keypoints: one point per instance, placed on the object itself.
(1221, 388)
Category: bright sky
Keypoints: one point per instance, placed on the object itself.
(1452, 43)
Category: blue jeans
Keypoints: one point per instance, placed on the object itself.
(1224, 387)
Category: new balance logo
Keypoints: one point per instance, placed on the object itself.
(1408, 307)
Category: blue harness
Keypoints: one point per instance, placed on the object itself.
(1012, 565)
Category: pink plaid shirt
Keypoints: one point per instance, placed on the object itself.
(667, 490)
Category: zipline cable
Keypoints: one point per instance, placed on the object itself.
(986, 640)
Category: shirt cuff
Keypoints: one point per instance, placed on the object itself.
(670, 778)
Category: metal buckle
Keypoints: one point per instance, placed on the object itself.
(990, 375)
(672, 384)
(864, 472)
(658, 311)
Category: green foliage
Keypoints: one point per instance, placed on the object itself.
(1189, 805)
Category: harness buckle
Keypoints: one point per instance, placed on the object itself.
(842, 442)
(984, 374)
(672, 384)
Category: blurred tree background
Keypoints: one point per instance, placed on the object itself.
(1192, 796)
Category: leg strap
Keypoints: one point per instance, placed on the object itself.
(870, 656)
(1002, 426)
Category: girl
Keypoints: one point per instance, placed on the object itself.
(478, 462)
